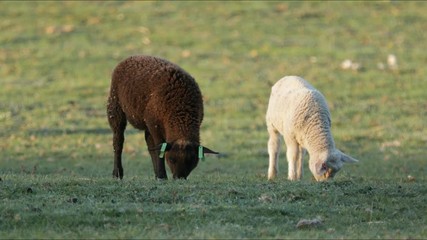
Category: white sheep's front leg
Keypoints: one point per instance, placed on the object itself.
(273, 152)
(294, 155)
(300, 158)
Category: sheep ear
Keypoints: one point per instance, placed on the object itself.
(207, 150)
(347, 159)
(202, 150)
(163, 148)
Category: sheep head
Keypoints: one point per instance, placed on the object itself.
(326, 167)
(183, 157)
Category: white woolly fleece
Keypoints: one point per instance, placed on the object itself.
(299, 113)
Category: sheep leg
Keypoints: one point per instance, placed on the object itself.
(118, 140)
(300, 162)
(117, 121)
(158, 163)
(273, 152)
(294, 157)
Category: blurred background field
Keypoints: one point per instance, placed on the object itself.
(56, 60)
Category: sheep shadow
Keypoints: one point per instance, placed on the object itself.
(61, 131)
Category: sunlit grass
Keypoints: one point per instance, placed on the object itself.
(56, 59)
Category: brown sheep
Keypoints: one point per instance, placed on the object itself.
(159, 97)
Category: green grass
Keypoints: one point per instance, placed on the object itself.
(56, 60)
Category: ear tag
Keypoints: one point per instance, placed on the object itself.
(201, 154)
(163, 150)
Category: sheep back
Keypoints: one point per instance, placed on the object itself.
(299, 112)
(153, 91)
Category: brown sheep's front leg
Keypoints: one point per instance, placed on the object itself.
(161, 169)
(158, 163)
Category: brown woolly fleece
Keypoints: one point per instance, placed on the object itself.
(159, 97)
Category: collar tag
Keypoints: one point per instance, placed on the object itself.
(163, 150)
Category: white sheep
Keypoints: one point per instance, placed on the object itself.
(298, 112)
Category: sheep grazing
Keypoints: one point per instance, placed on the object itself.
(298, 112)
(159, 97)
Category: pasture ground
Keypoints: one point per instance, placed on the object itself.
(56, 60)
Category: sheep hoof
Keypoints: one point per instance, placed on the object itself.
(161, 178)
(271, 176)
(118, 173)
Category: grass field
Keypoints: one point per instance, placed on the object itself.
(56, 161)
